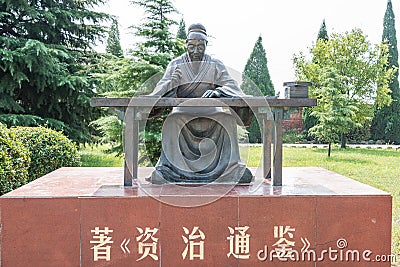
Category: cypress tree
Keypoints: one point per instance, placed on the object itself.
(256, 71)
(257, 82)
(386, 122)
(323, 33)
(181, 34)
(113, 41)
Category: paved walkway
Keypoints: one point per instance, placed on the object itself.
(395, 147)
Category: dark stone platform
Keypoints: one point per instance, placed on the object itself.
(84, 217)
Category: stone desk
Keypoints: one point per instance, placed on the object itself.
(270, 110)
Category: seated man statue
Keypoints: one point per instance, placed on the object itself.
(199, 144)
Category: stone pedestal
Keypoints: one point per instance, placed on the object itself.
(84, 217)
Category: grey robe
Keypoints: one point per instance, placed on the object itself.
(199, 145)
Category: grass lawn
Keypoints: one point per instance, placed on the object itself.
(376, 167)
(94, 156)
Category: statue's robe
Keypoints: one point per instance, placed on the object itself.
(199, 144)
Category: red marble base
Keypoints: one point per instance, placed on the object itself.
(84, 217)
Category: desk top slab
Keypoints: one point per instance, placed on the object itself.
(203, 102)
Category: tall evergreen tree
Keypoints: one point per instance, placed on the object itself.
(323, 33)
(113, 41)
(181, 34)
(310, 120)
(159, 45)
(45, 48)
(257, 82)
(386, 122)
(158, 48)
(256, 71)
(136, 76)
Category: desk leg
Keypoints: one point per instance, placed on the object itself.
(131, 146)
(267, 140)
(135, 150)
(277, 173)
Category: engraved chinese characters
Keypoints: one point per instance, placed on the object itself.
(146, 244)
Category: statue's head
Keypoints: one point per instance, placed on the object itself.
(196, 41)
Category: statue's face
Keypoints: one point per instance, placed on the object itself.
(196, 49)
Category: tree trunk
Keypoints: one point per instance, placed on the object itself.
(343, 141)
(329, 149)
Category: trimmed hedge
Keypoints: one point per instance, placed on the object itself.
(14, 161)
(49, 150)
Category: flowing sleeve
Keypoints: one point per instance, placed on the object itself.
(164, 87)
(228, 87)
(225, 84)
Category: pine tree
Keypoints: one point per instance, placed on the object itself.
(113, 42)
(45, 49)
(129, 76)
(181, 34)
(69, 23)
(386, 122)
(159, 46)
(257, 82)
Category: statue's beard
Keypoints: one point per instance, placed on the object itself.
(196, 57)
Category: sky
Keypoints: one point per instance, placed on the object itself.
(287, 27)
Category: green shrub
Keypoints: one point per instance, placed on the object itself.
(49, 150)
(359, 134)
(14, 161)
(28, 120)
(293, 137)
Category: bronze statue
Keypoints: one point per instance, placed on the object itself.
(199, 145)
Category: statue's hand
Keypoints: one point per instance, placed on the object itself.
(176, 77)
(211, 93)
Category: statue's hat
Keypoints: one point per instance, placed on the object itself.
(197, 31)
